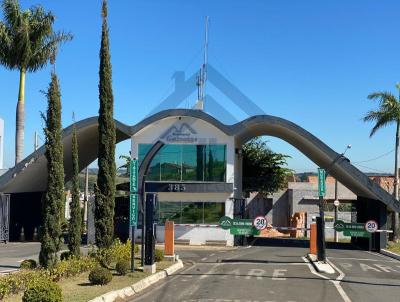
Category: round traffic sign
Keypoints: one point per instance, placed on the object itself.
(371, 226)
(260, 222)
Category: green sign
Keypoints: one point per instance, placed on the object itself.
(244, 231)
(133, 210)
(225, 222)
(133, 176)
(238, 226)
(351, 229)
(321, 182)
(133, 186)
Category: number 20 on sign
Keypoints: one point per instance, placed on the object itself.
(260, 222)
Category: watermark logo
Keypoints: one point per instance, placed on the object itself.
(186, 87)
(180, 134)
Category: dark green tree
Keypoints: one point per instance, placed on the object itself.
(263, 170)
(50, 234)
(27, 42)
(75, 222)
(105, 192)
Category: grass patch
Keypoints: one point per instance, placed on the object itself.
(394, 247)
(79, 289)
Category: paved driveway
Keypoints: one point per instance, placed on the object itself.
(280, 274)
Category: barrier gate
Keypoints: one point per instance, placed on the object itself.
(4, 217)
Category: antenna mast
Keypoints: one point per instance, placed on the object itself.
(202, 76)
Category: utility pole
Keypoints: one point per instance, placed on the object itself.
(336, 204)
(86, 195)
(36, 145)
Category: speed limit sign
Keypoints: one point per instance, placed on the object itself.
(371, 226)
(260, 222)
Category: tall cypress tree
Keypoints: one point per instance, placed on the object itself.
(105, 193)
(50, 234)
(75, 222)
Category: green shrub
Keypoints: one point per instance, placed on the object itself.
(43, 291)
(122, 267)
(28, 264)
(159, 255)
(100, 276)
(19, 281)
(117, 252)
(72, 267)
(65, 255)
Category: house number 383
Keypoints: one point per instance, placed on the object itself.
(176, 187)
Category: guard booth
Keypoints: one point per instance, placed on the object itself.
(4, 217)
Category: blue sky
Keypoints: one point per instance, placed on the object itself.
(311, 62)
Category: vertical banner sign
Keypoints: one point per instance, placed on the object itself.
(321, 182)
(133, 205)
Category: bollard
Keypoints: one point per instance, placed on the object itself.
(313, 238)
(169, 245)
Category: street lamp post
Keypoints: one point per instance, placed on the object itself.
(321, 220)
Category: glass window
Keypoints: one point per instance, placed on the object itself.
(213, 211)
(186, 163)
(190, 212)
(171, 162)
(170, 211)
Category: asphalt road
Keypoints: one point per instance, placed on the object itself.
(267, 273)
(12, 254)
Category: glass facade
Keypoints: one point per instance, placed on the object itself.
(190, 212)
(186, 163)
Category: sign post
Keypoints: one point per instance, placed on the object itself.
(321, 219)
(133, 205)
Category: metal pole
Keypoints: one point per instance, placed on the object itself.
(336, 235)
(133, 250)
(143, 196)
(321, 231)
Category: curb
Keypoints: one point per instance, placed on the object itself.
(319, 266)
(137, 287)
(390, 254)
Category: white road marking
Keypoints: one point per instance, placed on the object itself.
(381, 256)
(235, 272)
(278, 273)
(255, 272)
(385, 268)
(366, 267)
(213, 254)
(261, 263)
(203, 259)
(361, 259)
(346, 266)
(211, 271)
(336, 282)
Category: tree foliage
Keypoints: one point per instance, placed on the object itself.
(54, 197)
(387, 113)
(27, 43)
(263, 170)
(105, 189)
(75, 222)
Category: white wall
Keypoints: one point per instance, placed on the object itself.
(193, 131)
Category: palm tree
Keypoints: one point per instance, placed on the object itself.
(27, 43)
(388, 113)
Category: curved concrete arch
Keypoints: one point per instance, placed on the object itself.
(30, 174)
(315, 150)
